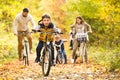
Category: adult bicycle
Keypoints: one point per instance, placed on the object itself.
(82, 48)
(25, 51)
(46, 56)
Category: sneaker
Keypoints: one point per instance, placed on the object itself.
(20, 59)
(71, 48)
(53, 63)
(81, 61)
(31, 52)
(72, 60)
(37, 60)
(40, 63)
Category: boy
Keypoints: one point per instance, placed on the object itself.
(45, 26)
(59, 44)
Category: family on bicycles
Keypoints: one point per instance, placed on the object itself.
(45, 24)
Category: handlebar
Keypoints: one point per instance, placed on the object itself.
(45, 32)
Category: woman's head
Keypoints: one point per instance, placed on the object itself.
(46, 19)
(79, 20)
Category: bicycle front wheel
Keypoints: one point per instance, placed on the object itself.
(25, 55)
(46, 63)
(60, 58)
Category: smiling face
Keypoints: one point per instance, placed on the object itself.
(78, 21)
(46, 21)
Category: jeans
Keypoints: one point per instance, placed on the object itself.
(39, 48)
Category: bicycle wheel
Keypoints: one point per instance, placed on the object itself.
(75, 58)
(46, 62)
(83, 53)
(86, 55)
(61, 58)
(25, 55)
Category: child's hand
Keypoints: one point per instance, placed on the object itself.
(59, 30)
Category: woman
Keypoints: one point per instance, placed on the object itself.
(80, 26)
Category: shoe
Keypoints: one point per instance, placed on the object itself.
(31, 52)
(53, 63)
(40, 63)
(81, 61)
(37, 60)
(71, 48)
(20, 59)
(72, 60)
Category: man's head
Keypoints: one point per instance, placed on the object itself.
(25, 12)
(46, 19)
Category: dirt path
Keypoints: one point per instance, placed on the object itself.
(16, 71)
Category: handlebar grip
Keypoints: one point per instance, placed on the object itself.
(36, 30)
(39, 31)
(61, 33)
(33, 30)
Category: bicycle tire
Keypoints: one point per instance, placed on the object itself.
(25, 57)
(60, 58)
(44, 70)
(75, 57)
(84, 53)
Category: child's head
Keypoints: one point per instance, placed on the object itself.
(46, 19)
(57, 37)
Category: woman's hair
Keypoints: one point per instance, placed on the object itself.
(80, 19)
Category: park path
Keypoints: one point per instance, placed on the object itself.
(15, 70)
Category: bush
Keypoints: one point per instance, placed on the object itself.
(7, 47)
(107, 57)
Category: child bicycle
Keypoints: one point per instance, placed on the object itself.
(60, 58)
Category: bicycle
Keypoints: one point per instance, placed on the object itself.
(82, 48)
(60, 58)
(25, 51)
(46, 56)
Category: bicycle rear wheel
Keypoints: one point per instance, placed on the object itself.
(46, 62)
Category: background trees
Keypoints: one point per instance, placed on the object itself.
(102, 15)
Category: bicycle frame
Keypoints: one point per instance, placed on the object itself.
(60, 56)
(82, 39)
(25, 49)
(46, 48)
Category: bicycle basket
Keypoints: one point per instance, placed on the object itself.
(81, 37)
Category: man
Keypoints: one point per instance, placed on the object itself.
(21, 25)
